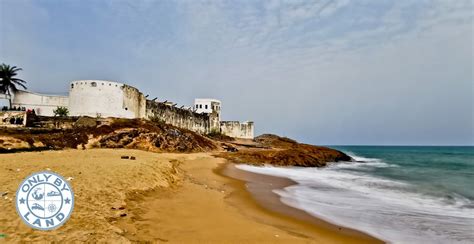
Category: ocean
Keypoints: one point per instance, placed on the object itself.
(400, 194)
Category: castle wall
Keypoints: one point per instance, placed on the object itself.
(97, 98)
(134, 100)
(237, 129)
(178, 117)
(212, 107)
(42, 104)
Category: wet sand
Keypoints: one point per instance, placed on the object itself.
(213, 208)
(261, 189)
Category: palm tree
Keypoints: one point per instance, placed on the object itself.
(8, 82)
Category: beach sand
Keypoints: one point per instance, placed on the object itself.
(159, 197)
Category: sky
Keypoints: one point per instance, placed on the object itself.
(332, 72)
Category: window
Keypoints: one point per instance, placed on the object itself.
(126, 108)
(197, 106)
(205, 106)
(200, 105)
(93, 84)
(72, 86)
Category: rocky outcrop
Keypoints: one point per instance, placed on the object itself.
(282, 151)
(84, 133)
(270, 140)
(171, 140)
(115, 133)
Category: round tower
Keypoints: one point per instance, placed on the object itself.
(99, 98)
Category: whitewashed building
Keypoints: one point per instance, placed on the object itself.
(42, 104)
(99, 98)
(230, 128)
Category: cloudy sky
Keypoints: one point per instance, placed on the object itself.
(323, 71)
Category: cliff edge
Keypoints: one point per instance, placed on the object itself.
(281, 151)
(86, 132)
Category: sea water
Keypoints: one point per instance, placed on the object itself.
(398, 194)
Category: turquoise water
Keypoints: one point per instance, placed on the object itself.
(398, 194)
(446, 172)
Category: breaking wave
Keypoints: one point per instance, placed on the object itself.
(392, 210)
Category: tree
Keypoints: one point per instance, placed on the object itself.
(61, 112)
(8, 82)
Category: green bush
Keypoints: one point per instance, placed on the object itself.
(61, 112)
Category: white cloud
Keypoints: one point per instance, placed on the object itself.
(328, 71)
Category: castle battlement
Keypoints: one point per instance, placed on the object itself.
(100, 98)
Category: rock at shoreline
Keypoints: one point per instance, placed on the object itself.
(159, 137)
(282, 151)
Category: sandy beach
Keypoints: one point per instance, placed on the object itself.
(158, 197)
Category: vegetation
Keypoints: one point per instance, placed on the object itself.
(217, 135)
(9, 82)
(61, 112)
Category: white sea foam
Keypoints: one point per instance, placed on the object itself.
(358, 164)
(362, 159)
(384, 208)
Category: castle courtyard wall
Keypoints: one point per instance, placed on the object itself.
(178, 117)
(237, 129)
(42, 104)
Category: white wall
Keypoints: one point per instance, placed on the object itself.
(212, 105)
(42, 104)
(237, 129)
(105, 99)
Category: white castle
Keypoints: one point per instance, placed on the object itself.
(99, 98)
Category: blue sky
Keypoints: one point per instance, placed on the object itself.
(323, 72)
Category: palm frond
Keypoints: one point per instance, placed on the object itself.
(19, 84)
(18, 80)
(8, 82)
(15, 69)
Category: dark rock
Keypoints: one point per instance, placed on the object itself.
(229, 148)
(281, 151)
